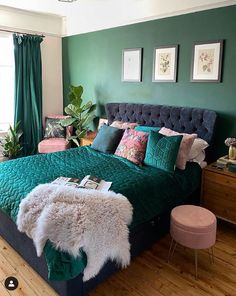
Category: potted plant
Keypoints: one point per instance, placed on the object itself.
(81, 115)
(11, 142)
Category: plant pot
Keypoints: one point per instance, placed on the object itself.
(232, 152)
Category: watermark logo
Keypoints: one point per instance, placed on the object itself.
(11, 283)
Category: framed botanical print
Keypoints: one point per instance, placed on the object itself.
(132, 65)
(207, 61)
(165, 64)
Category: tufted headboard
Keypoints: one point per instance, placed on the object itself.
(180, 119)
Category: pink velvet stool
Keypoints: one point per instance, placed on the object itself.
(193, 227)
(53, 145)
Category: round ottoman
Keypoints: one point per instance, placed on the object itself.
(193, 227)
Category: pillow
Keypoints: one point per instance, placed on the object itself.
(147, 129)
(133, 146)
(69, 129)
(124, 125)
(199, 158)
(199, 145)
(162, 151)
(54, 129)
(107, 139)
(185, 146)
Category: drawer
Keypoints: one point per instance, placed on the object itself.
(219, 179)
(221, 192)
(221, 200)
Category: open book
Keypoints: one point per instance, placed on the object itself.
(88, 182)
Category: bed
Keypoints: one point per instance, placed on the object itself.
(141, 185)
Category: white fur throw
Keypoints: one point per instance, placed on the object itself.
(70, 218)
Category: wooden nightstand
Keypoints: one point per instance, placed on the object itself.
(88, 140)
(218, 192)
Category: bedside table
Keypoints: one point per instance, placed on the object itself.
(88, 140)
(218, 193)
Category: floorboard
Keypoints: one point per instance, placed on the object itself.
(148, 275)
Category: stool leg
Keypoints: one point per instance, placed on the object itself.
(196, 264)
(172, 253)
(212, 255)
(168, 260)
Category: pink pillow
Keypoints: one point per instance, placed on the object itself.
(133, 146)
(184, 147)
(124, 125)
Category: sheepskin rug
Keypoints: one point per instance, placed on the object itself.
(71, 219)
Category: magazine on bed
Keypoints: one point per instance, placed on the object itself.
(88, 182)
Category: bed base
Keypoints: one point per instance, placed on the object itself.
(141, 238)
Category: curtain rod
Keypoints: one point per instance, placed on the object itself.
(9, 31)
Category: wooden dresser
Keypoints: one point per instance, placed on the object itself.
(218, 192)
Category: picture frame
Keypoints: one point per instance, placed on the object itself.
(165, 63)
(206, 63)
(132, 64)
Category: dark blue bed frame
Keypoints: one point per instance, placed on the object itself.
(181, 119)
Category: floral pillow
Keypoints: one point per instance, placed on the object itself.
(54, 129)
(185, 146)
(133, 146)
(124, 125)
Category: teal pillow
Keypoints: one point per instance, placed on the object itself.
(147, 129)
(107, 139)
(162, 151)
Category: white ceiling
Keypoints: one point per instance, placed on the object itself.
(91, 15)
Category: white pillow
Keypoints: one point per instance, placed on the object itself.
(199, 158)
(199, 145)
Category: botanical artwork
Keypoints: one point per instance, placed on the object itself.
(206, 61)
(165, 61)
(132, 65)
(165, 64)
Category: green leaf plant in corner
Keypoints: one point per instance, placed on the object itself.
(81, 115)
(11, 142)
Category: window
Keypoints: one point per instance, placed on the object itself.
(6, 81)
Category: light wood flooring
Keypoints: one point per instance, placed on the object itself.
(148, 275)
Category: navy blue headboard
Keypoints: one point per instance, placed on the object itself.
(180, 119)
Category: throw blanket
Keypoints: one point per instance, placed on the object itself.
(72, 219)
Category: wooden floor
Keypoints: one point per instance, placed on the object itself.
(148, 275)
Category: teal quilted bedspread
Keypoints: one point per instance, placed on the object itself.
(151, 191)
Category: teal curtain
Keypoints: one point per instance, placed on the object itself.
(28, 90)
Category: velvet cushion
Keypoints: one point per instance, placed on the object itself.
(133, 146)
(124, 125)
(162, 151)
(69, 129)
(107, 139)
(185, 146)
(147, 129)
(54, 129)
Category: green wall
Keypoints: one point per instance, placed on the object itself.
(94, 61)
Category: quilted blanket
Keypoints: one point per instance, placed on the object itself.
(149, 190)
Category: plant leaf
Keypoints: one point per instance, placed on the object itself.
(67, 121)
(71, 110)
(76, 142)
